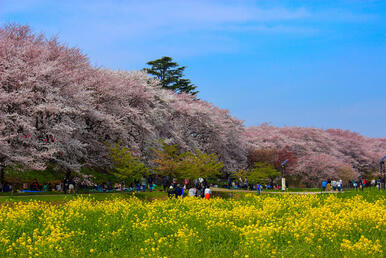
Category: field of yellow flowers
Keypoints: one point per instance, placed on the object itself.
(252, 226)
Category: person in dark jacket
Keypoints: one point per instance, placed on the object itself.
(178, 191)
(200, 191)
(150, 183)
(229, 182)
(171, 192)
(136, 184)
(35, 186)
(165, 183)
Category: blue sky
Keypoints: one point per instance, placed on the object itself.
(297, 63)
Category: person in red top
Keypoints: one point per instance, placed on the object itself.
(35, 186)
(208, 192)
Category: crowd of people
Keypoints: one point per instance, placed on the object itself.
(245, 185)
(5, 187)
(332, 185)
(198, 188)
(66, 186)
(73, 185)
(362, 183)
(359, 184)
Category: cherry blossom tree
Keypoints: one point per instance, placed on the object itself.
(56, 108)
(320, 153)
(41, 103)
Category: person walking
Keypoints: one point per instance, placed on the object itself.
(71, 186)
(65, 185)
(361, 185)
(165, 183)
(150, 183)
(136, 184)
(333, 185)
(258, 188)
(355, 185)
(340, 184)
(143, 183)
(324, 185)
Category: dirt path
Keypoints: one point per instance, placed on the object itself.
(214, 189)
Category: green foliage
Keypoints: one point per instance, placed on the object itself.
(170, 75)
(126, 165)
(168, 160)
(200, 164)
(16, 174)
(99, 175)
(195, 164)
(240, 174)
(260, 173)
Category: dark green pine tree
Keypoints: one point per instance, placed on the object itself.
(170, 75)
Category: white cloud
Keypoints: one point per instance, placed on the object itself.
(143, 17)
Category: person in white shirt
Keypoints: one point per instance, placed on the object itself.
(333, 184)
(207, 192)
(340, 184)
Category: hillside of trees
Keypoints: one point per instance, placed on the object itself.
(56, 108)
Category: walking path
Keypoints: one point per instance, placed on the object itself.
(215, 189)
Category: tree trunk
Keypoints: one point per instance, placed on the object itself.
(2, 177)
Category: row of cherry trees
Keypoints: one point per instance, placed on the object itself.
(319, 154)
(57, 108)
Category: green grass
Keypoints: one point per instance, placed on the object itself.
(368, 193)
(61, 197)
